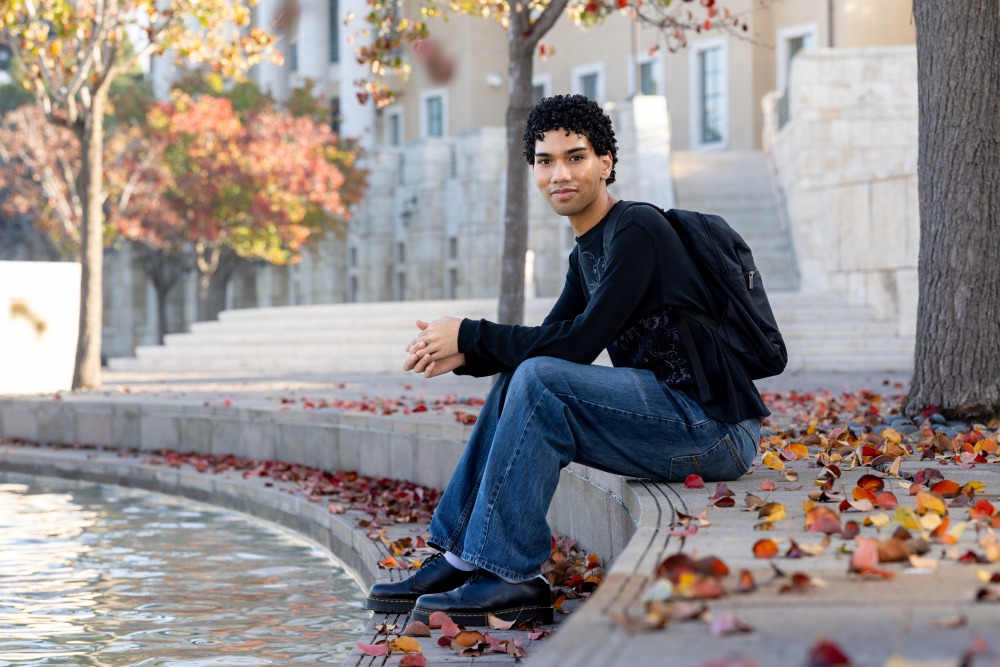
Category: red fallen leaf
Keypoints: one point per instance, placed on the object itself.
(946, 488)
(746, 583)
(983, 509)
(373, 649)
(705, 589)
(800, 583)
(768, 485)
(539, 633)
(823, 520)
(722, 490)
(871, 484)
(793, 550)
(766, 548)
(865, 554)
(673, 567)
(694, 482)
(420, 408)
(886, 501)
(413, 660)
(725, 502)
(444, 642)
(851, 529)
(417, 629)
(710, 566)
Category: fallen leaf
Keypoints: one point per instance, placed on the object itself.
(950, 622)
(417, 629)
(791, 476)
(726, 623)
(772, 460)
(800, 582)
(865, 554)
(388, 561)
(772, 512)
(497, 623)
(694, 482)
(823, 520)
(886, 501)
(765, 548)
(825, 653)
(946, 488)
(380, 648)
(928, 502)
(539, 633)
(767, 485)
(982, 510)
(871, 484)
(754, 502)
(405, 645)
(746, 583)
(413, 660)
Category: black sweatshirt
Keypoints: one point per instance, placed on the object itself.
(622, 301)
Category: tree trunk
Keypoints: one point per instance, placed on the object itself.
(164, 269)
(957, 364)
(216, 264)
(515, 221)
(87, 371)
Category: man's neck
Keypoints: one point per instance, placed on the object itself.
(587, 219)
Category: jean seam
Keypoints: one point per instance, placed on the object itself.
(566, 398)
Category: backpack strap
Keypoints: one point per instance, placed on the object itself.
(682, 326)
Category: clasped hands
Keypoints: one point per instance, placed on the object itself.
(435, 349)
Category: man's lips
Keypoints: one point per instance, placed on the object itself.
(563, 193)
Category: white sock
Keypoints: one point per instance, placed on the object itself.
(458, 563)
(524, 581)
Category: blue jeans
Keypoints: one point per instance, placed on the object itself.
(548, 413)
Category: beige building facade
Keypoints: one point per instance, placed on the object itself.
(431, 227)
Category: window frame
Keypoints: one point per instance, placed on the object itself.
(697, 94)
(580, 71)
(782, 37)
(425, 97)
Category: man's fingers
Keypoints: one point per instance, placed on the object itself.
(429, 371)
(422, 325)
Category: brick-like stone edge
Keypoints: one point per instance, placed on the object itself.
(595, 508)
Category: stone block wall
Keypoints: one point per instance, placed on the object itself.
(431, 227)
(846, 162)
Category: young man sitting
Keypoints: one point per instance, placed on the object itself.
(550, 407)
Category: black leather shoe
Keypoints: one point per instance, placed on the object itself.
(486, 594)
(435, 575)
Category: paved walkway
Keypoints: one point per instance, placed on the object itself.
(927, 612)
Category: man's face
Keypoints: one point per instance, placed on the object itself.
(568, 172)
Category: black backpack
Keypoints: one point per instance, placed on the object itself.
(746, 324)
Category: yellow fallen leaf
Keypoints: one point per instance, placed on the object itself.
(896, 660)
(772, 512)
(771, 460)
(975, 487)
(927, 502)
(797, 451)
(924, 562)
(907, 519)
(880, 520)
(808, 506)
(892, 436)
(405, 644)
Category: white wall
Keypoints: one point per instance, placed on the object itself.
(39, 320)
(847, 164)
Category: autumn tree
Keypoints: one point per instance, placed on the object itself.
(957, 365)
(525, 24)
(70, 52)
(256, 185)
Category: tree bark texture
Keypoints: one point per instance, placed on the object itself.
(87, 371)
(163, 269)
(957, 365)
(515, 221)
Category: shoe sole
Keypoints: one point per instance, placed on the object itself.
(479, 618)
(389, 605)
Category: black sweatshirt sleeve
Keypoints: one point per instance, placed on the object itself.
(630, 269)
(572, 301)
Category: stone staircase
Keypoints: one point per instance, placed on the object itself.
(822, 331)
(737, 185)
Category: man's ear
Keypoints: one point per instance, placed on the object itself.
(607, 163)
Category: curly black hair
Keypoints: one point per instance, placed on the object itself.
(573, 113)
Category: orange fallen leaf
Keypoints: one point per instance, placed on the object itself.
(766, 548)
(772, 460)
(389, 561)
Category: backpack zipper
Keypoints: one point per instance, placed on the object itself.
(750, 277)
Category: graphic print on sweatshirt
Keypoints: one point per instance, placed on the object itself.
(592, 269)
(654, 343)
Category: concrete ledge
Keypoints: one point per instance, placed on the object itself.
(589, 504)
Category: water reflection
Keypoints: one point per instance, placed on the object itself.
(105, 576)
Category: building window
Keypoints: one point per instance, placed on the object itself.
(393, 127)
(335, 114)
(434, 113)
(791, 40)
(354, 258)
(588, 80)
(353, 296)
(334, 32)
(541, 87)
(293, 55)
(453, 283)
(401, 252)
(647, 79)
(453, 247)
(709, 79)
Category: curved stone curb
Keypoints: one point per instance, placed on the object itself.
(336, 532)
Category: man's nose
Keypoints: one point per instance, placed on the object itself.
(560, 172)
